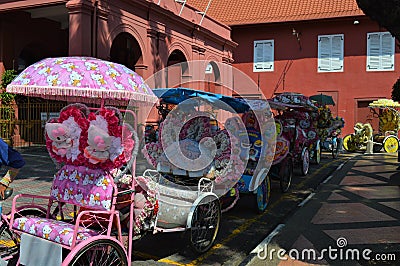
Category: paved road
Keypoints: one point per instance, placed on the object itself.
(353, 219)
(242, 228)
(297, 224)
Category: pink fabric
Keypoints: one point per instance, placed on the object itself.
(83, 77)
(56, 231)
(78, 185)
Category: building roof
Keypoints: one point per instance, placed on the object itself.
(242, 12)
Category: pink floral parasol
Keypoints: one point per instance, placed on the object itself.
(82, 79)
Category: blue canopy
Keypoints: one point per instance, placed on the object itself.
(179, 95)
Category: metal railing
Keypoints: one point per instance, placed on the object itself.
(23, 124)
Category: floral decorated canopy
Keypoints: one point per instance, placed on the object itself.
(82, 79)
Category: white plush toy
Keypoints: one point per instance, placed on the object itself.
(99, 144)
(60, 136)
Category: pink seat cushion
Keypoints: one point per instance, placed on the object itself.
(81, 186)
(56, 231)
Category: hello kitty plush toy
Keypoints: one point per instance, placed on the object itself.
(60, 136)
(99, 144)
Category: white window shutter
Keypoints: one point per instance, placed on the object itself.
(337, 53)
(373, 51)
(387, 55)
(324, 54)
(263, 56)
(269, 55)
(258, 56)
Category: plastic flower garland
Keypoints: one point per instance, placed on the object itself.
(74, 119)
(150, 209)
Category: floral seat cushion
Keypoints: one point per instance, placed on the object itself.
(56, 231)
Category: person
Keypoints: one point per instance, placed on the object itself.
(14, 162)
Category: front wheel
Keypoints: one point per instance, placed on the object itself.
(263, 194)
(305, 164)
(391, 144)
(348, 143)
(336, 146)
(100, 252)
(204, 220)
(317, 153)
(9, 242)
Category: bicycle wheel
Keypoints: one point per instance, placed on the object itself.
(348, 143)
(100, 252)
(317, 153)
(263, 194)
(391, 144)
(285, 173)
(9, 242)
(204, 223)
(335, 148)
(305, 163)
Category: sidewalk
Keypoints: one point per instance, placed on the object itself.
(352, 219)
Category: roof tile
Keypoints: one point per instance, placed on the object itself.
(240, 12)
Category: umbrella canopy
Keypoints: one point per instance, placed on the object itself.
(179, 95)
(82, 79)
(291, 100)
(323, 99)
(383, 103)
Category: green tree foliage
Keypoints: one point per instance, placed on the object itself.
(385, 12)
(396, 91)
(6, 78)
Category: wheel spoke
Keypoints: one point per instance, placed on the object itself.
(102, 253)
(205, 223)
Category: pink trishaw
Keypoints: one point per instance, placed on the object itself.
(97, 205)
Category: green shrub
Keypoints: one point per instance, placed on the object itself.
(6, 78)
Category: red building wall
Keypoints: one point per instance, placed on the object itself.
(350, 87)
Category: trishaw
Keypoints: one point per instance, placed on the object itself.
(329, 130)
(241, 143)
(385, 110)
(295, 112)
(389, 125)
(97, 205)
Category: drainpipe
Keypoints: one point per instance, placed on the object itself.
(94, 30)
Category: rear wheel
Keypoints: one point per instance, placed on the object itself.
(100, 252)
(348, 143)
(285, 173)
(263, 194)
(391, 144)
(204, 223)
(9, 242)
(378, 142)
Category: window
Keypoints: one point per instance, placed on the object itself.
(330, 53)
(380, 51)
(263, 56)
